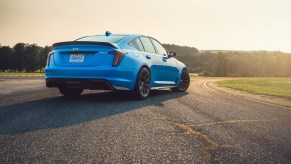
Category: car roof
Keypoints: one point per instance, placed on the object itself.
(125, 40)
(129, 38)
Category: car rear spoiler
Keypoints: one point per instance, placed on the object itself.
(83, 42)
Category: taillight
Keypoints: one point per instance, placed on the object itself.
(118, 55)
(49, 57)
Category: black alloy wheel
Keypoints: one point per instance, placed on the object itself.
(184, 82)
(142, 86)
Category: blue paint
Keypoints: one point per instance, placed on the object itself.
(97, 64)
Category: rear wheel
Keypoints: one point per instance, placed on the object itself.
(142, 85)
(184, 82)
(70, 92)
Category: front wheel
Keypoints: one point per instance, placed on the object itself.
(184, 82)
(70, 92)
(142, 86)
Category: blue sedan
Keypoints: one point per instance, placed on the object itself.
(134, 62)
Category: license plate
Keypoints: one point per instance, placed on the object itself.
(77, 58)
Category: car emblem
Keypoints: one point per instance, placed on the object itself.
(75, 49)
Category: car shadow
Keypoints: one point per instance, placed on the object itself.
(58, 112)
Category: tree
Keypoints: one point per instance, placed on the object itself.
(6, 57)
(19, 51)
(222, 65)
(43, 56)
(31, 58)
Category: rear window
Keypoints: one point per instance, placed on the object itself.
(103, 38)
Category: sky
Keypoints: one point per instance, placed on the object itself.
(204, 24)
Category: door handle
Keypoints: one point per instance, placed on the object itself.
(148, 57)
(165, 58)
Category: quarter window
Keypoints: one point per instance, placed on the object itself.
(147, 44)
(159, 47)
(136, 43)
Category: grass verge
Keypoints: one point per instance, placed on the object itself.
(18, 73)
(280, 87)
(194, 74)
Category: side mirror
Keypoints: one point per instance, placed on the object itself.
(172, 54)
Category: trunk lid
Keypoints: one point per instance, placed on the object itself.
(81, 53)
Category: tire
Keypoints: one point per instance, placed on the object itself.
(142, 85)
(70, 92)
(184, 82)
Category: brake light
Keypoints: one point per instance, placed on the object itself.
(118, 55)
(49, 57)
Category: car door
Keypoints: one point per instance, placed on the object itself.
(154, 60)
(169, 69)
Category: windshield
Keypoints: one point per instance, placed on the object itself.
(103, 38)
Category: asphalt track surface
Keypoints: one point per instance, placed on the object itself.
(203, 125)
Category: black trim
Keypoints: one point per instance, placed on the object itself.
(93, 84)
(79, 52)
(83, 42)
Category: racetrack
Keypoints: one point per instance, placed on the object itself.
(202, 125)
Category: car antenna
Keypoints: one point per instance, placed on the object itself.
(107, 33)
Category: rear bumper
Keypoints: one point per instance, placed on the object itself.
(114, 78)
(93, 84)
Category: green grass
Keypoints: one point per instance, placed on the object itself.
(19, 73)
(194, 74)
(280, 87)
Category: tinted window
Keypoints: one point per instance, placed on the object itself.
(103, 38)
(136, 43)
(159, 47)
(147, 44)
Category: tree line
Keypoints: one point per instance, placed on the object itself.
(31, 57)
(23, 57)
(234, 63)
